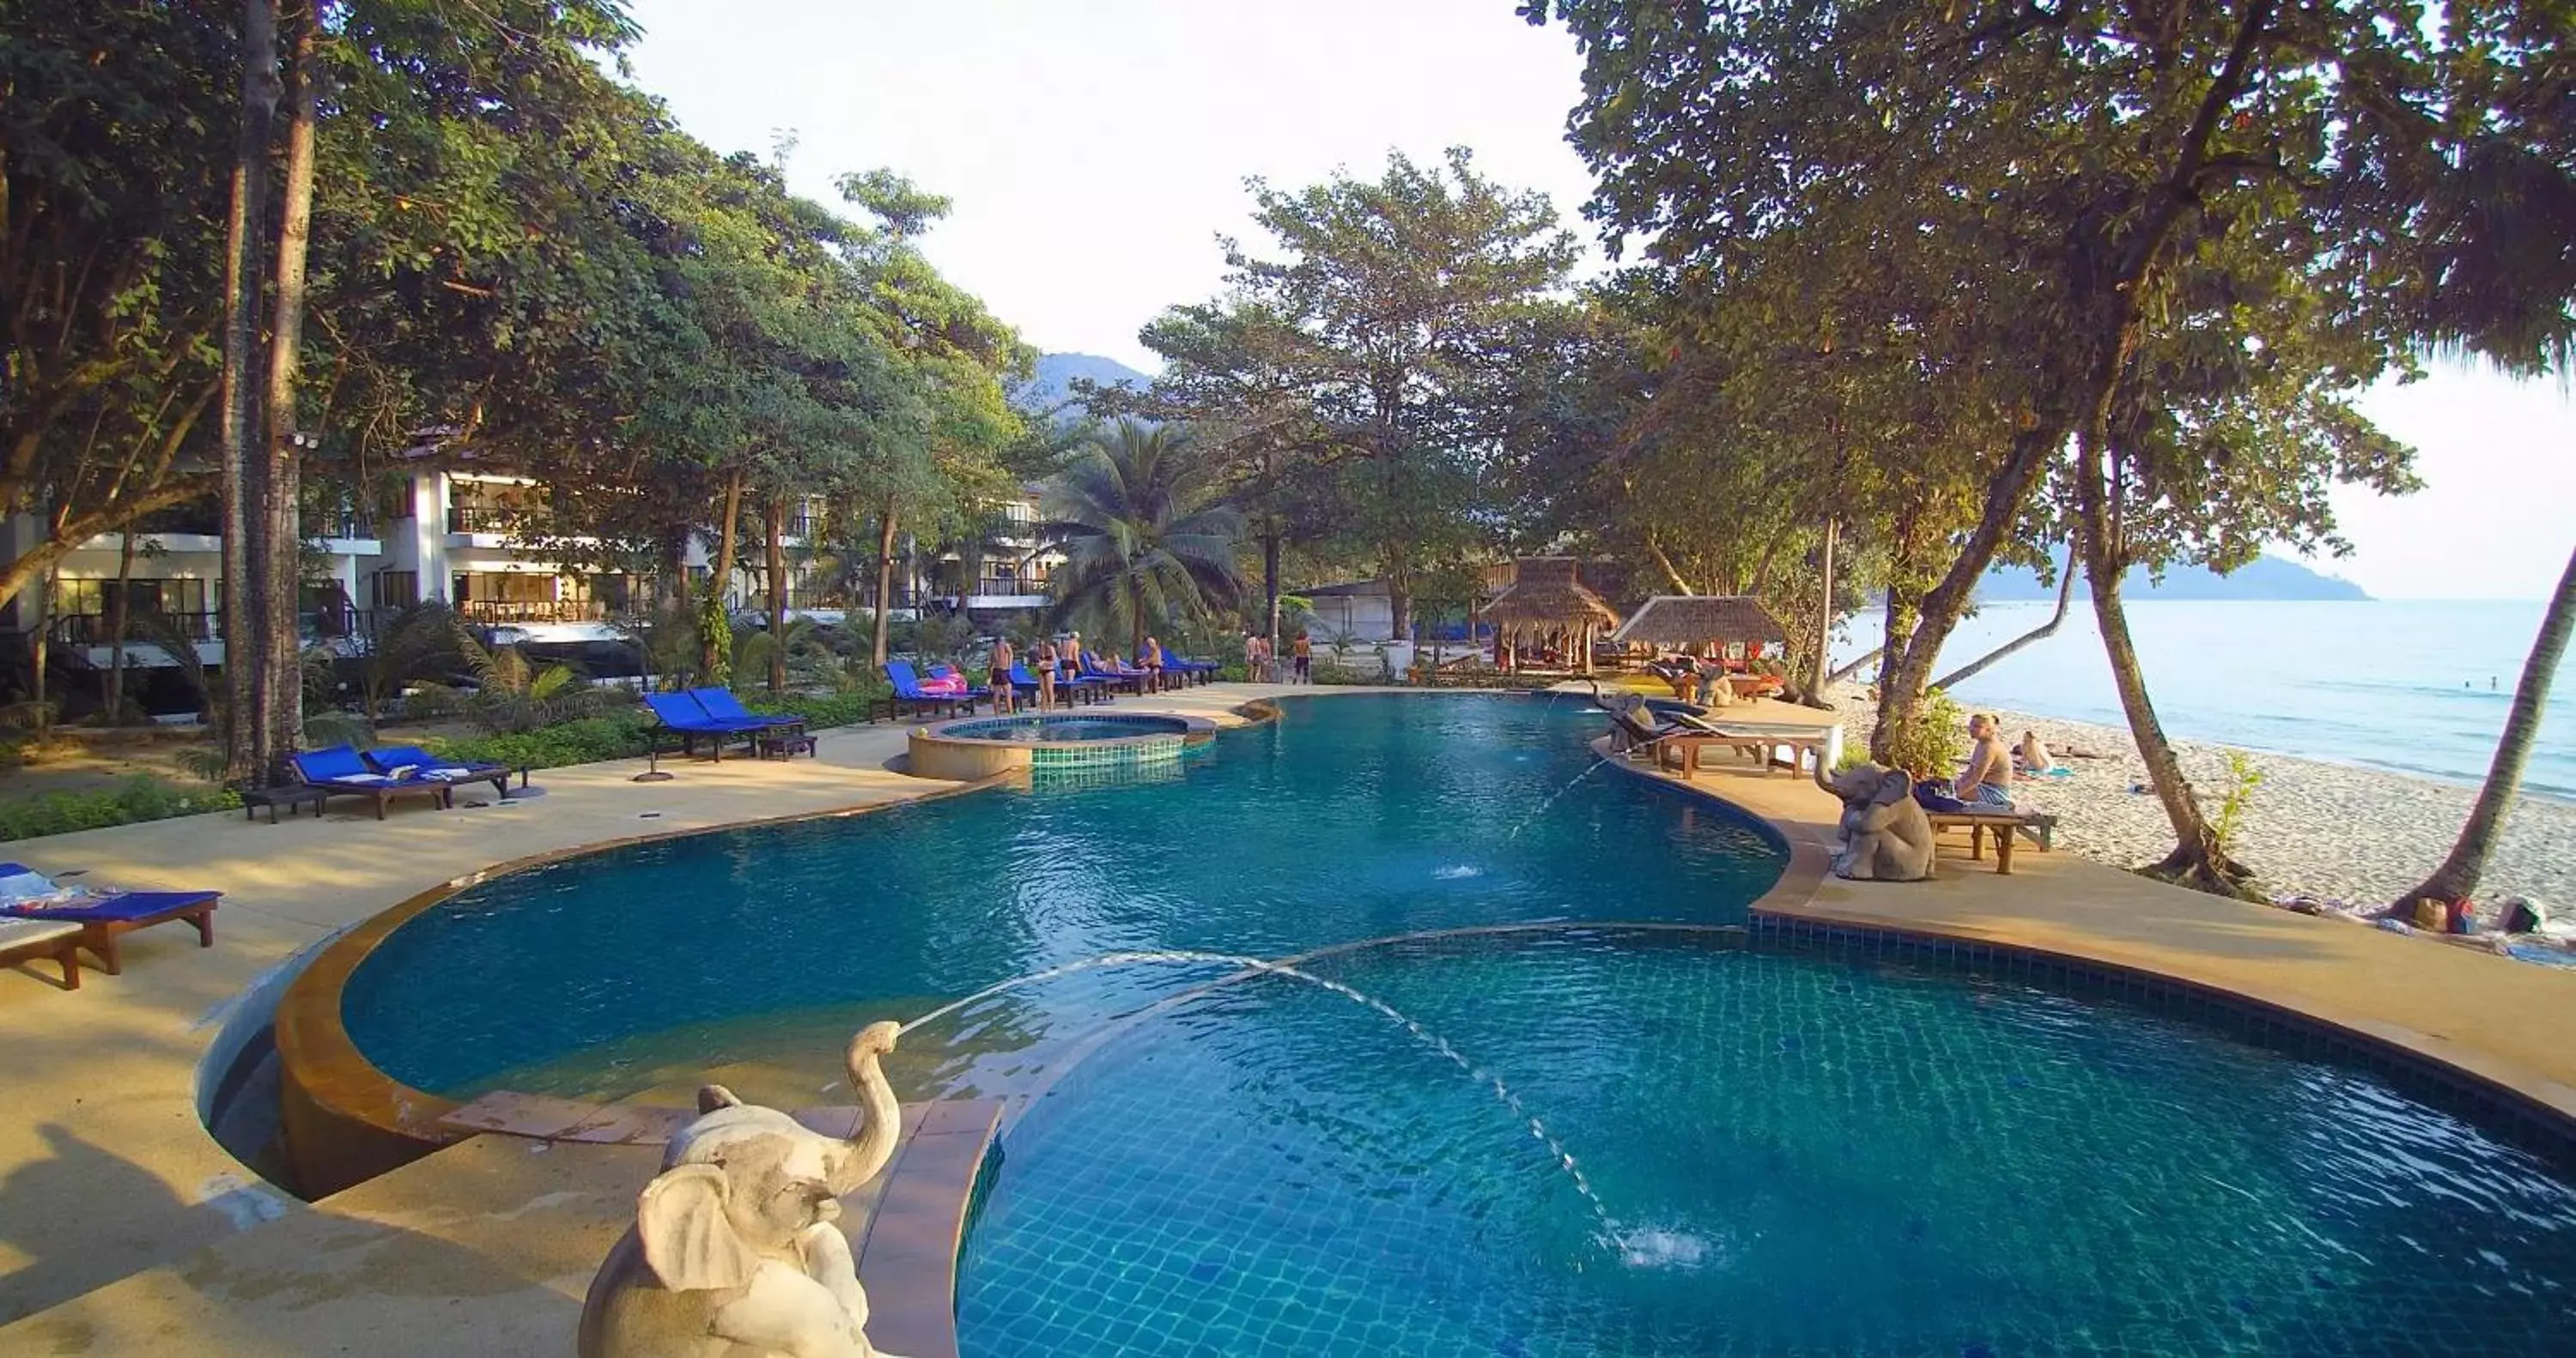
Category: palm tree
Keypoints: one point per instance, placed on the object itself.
(2459, 873)
(1143, 535)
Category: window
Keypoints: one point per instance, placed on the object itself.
(393, 589)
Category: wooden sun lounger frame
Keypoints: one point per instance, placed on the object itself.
(62, 945)
(2039, 829)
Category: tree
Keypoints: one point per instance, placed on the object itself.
(2458, 875)
(1141, 536)
(2091, 166)
(1378, 343)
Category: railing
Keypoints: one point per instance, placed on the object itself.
(988, 588)
(800, 525)
(91, 629)
(535, 610)
(488, 518)
(337, 526)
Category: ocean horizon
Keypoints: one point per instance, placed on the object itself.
(2418, 687)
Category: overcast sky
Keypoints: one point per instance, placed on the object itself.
(1096, 150)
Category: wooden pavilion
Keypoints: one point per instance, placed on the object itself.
(1687, 622)
(1546, 598)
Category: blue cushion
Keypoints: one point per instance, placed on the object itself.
(337, 761)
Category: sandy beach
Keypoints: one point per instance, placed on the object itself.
(2329, 830)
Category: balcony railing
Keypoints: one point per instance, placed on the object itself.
(338, 526)
(1000, 587)
(142, 628)
(489, 518)
(535, 610)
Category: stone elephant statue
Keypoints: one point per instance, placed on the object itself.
(734, 1252)
(1886, 836)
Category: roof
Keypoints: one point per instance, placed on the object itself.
(1336, 591)
(1544, 591)
(1691, 619)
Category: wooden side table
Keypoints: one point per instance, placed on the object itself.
(290, 797)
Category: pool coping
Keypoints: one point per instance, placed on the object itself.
(938, 754)
(375, 1122)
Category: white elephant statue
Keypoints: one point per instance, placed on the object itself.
(735, 1252)
(1886, 835)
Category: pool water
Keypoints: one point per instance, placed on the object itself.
(1572, 1139)
(1794, 1156)
(1353, 817)
(1065, 728)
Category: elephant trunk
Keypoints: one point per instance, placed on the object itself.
(880, 1116)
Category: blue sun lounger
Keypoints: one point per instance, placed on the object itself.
(339, 770)
(908, 689)
(683, 715)
(411, 761)
(103, 915)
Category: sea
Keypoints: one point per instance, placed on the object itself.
(2409, 686)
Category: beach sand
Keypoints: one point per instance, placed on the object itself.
(2329, 830)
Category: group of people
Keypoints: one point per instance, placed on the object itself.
(1053, 656)
(1992, 764)
(1262, 666)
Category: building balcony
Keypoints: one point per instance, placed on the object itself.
(535, 610)
(494, 519)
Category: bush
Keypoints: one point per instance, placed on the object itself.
(1935, 742)
(139, 798)
(1326, 672)
(822, 710)
(589, 740)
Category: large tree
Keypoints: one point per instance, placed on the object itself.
(1377, 340)
(1143, 537)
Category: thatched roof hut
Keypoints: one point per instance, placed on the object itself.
(1688, 620)
(1548, 595)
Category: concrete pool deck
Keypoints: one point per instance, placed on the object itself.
(106, 1174)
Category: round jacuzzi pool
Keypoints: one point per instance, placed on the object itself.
(1057, 742)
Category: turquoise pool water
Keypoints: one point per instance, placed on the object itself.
(1770, 1154)
(1791, 1155)
(1066, 727)
(1354, 817)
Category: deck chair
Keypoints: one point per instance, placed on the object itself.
(98, 917)
(339, 770)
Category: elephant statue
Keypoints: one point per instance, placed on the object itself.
(734, 1252)
(1886, 836)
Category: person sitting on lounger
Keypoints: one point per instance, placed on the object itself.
(1988, 781)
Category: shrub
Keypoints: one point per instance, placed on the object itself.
(1326, 672)
(823, 709)
(1934, 743)
(139, 798)
(2242, 779)
(588, 740)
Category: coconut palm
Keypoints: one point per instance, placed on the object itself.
(2459, 873)
(1143, 534)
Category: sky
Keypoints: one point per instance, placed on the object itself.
(1096, 151)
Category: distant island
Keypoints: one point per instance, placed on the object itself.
(1054, 381)
(2265, 577)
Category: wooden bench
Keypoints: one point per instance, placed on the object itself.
(2002, 825)
(1758, 743)
(27, 939)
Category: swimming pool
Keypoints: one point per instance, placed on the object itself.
(1070, 726)
(1769, 1153)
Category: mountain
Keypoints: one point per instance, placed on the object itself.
(2265, 577)
(1054, 381)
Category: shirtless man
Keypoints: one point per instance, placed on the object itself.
(1988, 781)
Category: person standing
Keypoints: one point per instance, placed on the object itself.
(1046, 673)
(1151, 656)
(1302, 653)
(1256, 658)
(1006, 698)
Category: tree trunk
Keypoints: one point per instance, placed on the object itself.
(23, 571)
(2458, 876)
(117, 619)
(885, 580)
(672, 589)
(777, 526)
(1270, 585)
(2198, 860)
(248, 751)
(722, 579)
(1135, 619)
(1899, 623)
(1671, 572)
(1825, 623)
(40, 653)
(2065, 592)
(282, 494)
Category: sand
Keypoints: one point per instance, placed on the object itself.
(2327, 830)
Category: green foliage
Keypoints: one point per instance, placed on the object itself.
(1932, 740)
(2237, 795)
(1145, 542)
(824, 710)
(139, 798)
(586, 740)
